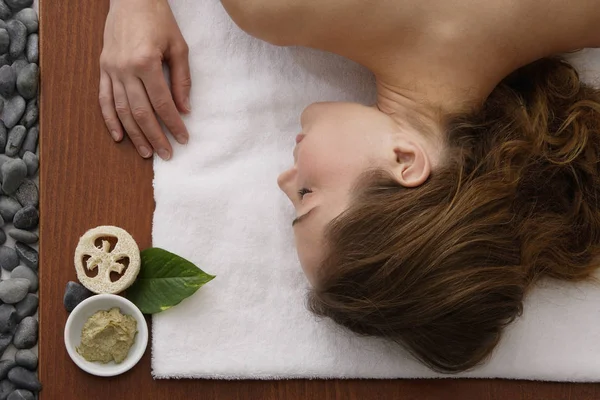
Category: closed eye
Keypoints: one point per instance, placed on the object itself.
(303, 192)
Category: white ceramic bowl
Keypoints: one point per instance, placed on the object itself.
(86, 309)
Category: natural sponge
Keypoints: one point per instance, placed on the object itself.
(90, 256)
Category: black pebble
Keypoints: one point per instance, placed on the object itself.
(75, 293)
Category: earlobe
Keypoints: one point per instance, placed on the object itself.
(413, 165)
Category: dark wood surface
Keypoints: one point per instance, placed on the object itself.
(86, 180)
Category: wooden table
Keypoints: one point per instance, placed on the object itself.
(87, 180)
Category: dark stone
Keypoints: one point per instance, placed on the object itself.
(27, 359)
(29, 18)
(14, 109)
(2, 237)
(16, 136)
(28, 255)
(18, 65)
(32, 113)
(13, 173)
(27, 307)
(5, 341)
(6, 386)
(5, 366)
(23, 236)
(3, 138)
(13, 290)
(21, 394)
(28, 81)
(26, 335)
(75, 293)
(32, 161)
(8, 319)
(9, 259)
(8, 81)
(5, 59)
(8, 209)
(4, 40)
(26, 218)
(24, 379)
(31, 140)
(27, 194)
(24, 272)
(18, 37)
(17, 5)
(32, 49)
(5, 14)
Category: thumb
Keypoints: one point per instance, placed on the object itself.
(181, 80)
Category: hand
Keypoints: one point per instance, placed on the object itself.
(138, 36)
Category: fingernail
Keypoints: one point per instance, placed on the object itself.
(187, 105)
(182, 139)
(145, 152)
(164, 154)
(115, 135)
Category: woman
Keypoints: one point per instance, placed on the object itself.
(426, 217)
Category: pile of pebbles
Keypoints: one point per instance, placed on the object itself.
(19, 199)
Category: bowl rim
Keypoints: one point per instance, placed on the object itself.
(133, 358)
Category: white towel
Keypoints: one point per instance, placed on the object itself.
(217, 204)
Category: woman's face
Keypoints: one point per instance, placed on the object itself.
(338, 143)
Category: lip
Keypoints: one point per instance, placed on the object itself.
(299, 138)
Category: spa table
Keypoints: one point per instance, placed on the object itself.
(87, 180)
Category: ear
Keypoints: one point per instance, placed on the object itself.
(413, 166)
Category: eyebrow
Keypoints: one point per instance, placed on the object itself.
(302, 217)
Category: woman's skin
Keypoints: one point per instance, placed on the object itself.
(430, 58)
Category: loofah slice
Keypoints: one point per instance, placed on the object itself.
(107, 260)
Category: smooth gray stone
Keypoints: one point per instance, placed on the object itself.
(23, 236)
(5, 366)
(24, 379)
(6, 388)
(31, 140)
(32, 161)
(13, 173)
(28, 255)
(28, 81)
(5, 341)
(3, 138)
(29, 18)
(18, 65)
(8, 208)
(8, 319)
(26, 335)
(27, 307)
(75, 293)
(32, 48)
(27, 194)
(26, 218)
(18, 37)
(17, 5)
(27, 359)
(25, 272)
(21, 394)
(16, 136)
(32, 113)
(5, 59)
(5, 11)
(14, 109)
(13, 290)
(9, 259)
(2, 236)
(1, 104)
(4, 40)
(8, 81)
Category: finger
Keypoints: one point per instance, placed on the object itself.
(143, 114)
(124, 112)
(162, 102)
(107, 105)
(181, 79)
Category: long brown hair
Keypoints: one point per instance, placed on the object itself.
(443, 268)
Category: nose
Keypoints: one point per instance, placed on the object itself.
(285, 179)
(309, 114)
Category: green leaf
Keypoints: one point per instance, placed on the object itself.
(165, 279)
